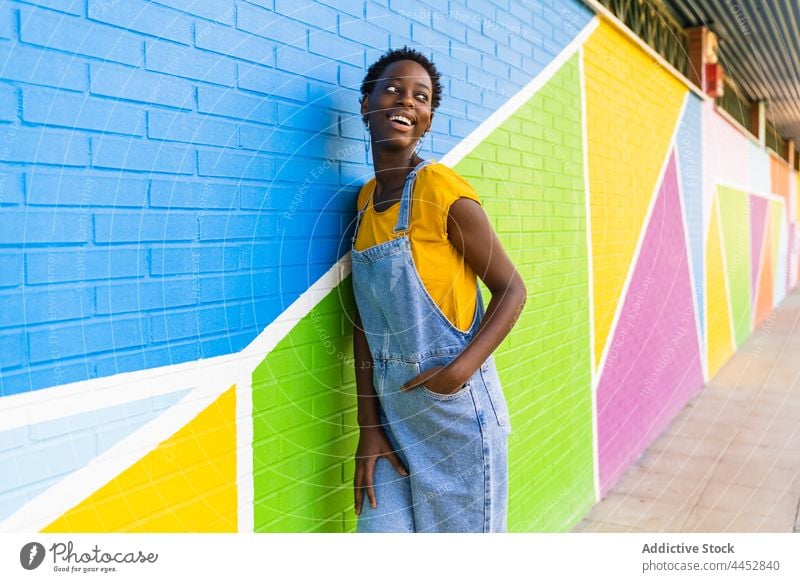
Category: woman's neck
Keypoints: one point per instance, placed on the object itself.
(392, 167)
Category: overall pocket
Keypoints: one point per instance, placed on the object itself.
(432, 362)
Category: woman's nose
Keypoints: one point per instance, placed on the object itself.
(405, 99)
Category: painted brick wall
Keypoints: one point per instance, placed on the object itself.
(173, 175)
(165, 164)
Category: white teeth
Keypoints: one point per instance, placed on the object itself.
(402, 119)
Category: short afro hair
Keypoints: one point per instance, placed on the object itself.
(402, 54)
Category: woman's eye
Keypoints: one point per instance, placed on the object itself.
(392, 89)
(422, 96)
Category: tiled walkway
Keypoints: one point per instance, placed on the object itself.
(730, 461)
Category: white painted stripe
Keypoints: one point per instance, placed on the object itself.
(590, 265)
(508, 108)
(76, 487)
(637, 251)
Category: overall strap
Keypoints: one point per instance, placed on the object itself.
(359, 215)
(405, 201)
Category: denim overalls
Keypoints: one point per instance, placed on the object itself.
(454, 446)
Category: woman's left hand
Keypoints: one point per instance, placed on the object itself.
(439, 379)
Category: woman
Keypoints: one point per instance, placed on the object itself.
(432, 451)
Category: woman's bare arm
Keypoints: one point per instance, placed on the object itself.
(471, 233)
(372, 440)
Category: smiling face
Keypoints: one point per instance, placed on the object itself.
(399, 106)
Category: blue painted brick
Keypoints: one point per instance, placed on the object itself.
(197, 259)
(40, 226)
(179, 325)
(377, 15)
(143, 359)
(136, 154)
(145, 295)
(482, 7)
(480, 42)
(8, 103)
(231, 42)
(268, 4)
(309, 225)
(466, 91)
(39, 66)
(87, 338)
(307, 11)
(264, 254)
(164, 57)
(39, 146)
(145, 17)
(233, 287)
(350, 76)
(332, 46)
(263, 197)
(351, 7)
(235, 104)
(73, 35)
(363, 32)
(76, 111)
(12, 186)
(224, 164)
(439, 6)
(85, 189)
(256, 20)
(112, 80)
(523, 44)
(481, 79)
(143, 226)
(450, 28)
(10, 269)
(317, 119)
(510, 56)
(232, 226)
(191, 128)
(8, 21)
(57, 303)
(57, 266)
(198, 195)
(300, 169)
(69, 6)
(410, 10)
(12, 351)
(53, 374)
(276, 140)
(305, 64)
(216, 10)
(272, 82)
(232, 342)
(352, 126)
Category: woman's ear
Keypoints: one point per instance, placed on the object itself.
(364, 106)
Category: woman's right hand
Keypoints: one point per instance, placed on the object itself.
(372, 445)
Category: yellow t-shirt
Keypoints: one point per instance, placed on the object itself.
(451, 283)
